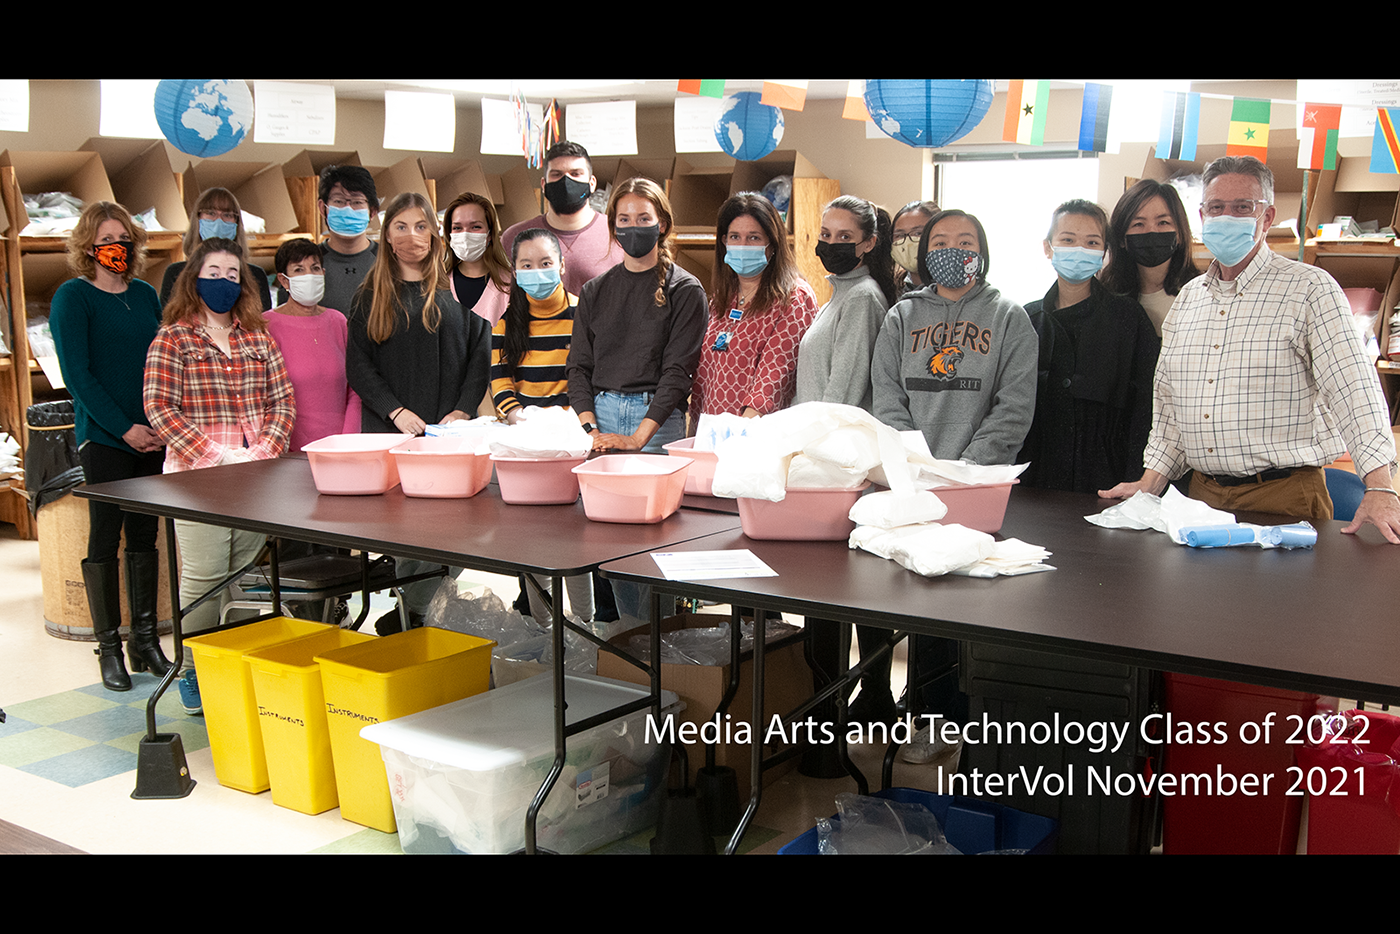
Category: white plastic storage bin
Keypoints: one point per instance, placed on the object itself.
(462, 776)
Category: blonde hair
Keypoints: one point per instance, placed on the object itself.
(648, 189)
(82, 237)
(384, 277)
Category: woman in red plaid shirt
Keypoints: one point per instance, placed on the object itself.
(216, 392)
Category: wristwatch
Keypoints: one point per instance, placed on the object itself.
(589, 427)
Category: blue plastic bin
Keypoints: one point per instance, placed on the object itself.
(971, 825)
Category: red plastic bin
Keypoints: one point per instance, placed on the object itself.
(1238, 822)
(1358, 811)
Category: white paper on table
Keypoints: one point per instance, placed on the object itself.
(1169, 513)
(710, 565)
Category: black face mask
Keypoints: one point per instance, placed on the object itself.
(1151, 249)
(637, 242)
(567, 196)
(838, 258)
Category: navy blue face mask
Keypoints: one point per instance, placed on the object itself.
(219, 294)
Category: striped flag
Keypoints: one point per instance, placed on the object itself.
(705, 87)
(787, 94)
(1249, 129)
(1026, 103)
(1385, 148)
(1181, 118)
(855, 101)
(1317, 147)
(1093, 119)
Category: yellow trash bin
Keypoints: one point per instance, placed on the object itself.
(391, 677)
(292, 714)
(226, 693)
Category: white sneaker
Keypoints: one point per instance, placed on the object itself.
(920, 750)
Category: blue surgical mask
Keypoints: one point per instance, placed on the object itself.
(217, 228)
(347, 222)
(219, 294)
(1229, 239)
(1076, 263)
(746, 261)
(539, 284)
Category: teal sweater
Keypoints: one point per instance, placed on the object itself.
(102, 341)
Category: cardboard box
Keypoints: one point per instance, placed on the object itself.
(521, 198)
(787, 682)
(142, 178)
(82, 174)
(260, 188)
(404, 175)
(303, 175)
(449, 177)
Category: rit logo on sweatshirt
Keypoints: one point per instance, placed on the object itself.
(943, 365)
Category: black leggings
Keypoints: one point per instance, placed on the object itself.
(102, 463)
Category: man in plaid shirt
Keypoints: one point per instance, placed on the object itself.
(1263, 377)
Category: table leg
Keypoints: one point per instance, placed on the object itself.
(560, 748)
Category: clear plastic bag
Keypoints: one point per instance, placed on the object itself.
(878, 827)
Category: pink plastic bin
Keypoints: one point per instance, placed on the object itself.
(981, 506)
(640, 488)
(700, 479)
(354, 465)
(537, 481)
(442, 467)
(804, 516)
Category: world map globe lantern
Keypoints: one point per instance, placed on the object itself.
(927, 114)
(204, 117)
(747, 128)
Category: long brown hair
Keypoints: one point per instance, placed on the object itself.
(216, 199)
(185, 303)
(779, 276)
(384, 278)
(648, 189)
(497, 266)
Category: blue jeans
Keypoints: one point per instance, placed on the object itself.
(621, 413)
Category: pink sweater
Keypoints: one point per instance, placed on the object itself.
(314, 349)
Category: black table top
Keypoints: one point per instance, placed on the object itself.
(279, 498)
(1321, 620)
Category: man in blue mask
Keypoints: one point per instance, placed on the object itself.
(348, 203)
(567, 184)
(1263, 378)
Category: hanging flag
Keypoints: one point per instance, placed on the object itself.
(1093, 119)
(550, 136)
(705, 87)
(787, 94)
(1385, 148)
(855, 101)
(1026, 103)
(1181, 118)
(1249, 129)
(1317, 143)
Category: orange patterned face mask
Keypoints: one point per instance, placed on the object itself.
(114, 257)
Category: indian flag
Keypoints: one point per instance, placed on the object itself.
(1249, 129)
(1026, 104)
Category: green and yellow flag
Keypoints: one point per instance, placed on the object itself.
(1249, 129)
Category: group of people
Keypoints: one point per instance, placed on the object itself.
(444, 321)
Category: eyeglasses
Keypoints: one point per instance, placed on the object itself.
(1242, 208)
(901, 239)
(212, 215)
(722, 342)
(355, 204)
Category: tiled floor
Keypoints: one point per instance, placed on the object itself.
(68, 757)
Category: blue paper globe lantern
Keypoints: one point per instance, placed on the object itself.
(747, 128)
(204, 118)
(927, 114)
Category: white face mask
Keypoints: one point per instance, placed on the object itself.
(307, 290)
(469, 246)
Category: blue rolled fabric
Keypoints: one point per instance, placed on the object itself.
(1218, 536)
(1297, 535)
